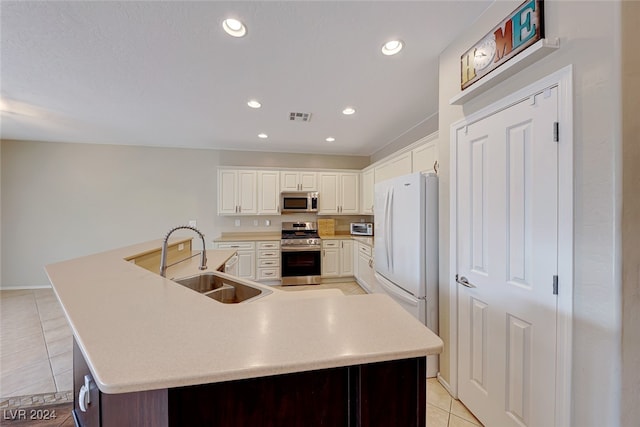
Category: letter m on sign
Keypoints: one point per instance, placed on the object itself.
(504, 40)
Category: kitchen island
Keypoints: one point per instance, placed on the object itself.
(156, 353)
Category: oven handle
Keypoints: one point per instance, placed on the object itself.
(300, 249)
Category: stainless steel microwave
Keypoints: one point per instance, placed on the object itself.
(299, 201)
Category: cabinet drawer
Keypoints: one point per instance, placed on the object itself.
(269, 245)
(268, 273)
(269, 262)
(269, 254)
(331, 243)
(236, 245)
(364, 249)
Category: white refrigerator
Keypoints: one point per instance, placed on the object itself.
(406, 247)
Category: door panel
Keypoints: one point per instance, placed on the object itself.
(507, 250)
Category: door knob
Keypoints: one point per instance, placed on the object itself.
(464, 282)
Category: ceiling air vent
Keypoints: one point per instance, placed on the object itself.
(300, 117)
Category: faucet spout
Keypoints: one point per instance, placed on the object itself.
(165, 243)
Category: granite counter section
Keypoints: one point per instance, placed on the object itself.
(139, 331)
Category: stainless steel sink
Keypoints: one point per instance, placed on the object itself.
(223, 287)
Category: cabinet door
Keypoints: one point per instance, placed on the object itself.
(346, 258)
(367, 192)
(227, 192)
(289, 181)
(397, 166)
(349, 193)
(268, 193)
(331, 262)
(356, 264)
(247, 264)
(247, 192)
(425, 157)
(308, 181)
(328, 193)
(363, 272)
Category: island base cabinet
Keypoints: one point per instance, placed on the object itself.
(380, 394)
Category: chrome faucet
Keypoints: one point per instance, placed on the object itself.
(163, 256)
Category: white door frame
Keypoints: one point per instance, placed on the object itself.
(564, 81)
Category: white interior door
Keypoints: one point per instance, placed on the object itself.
(507, 251)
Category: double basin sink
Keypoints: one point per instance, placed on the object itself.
(223, 287)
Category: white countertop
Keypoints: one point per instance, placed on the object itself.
(139, 331)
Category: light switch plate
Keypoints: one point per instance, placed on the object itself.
(237, 223)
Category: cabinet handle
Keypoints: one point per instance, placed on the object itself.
(84, 397)
(268, 274)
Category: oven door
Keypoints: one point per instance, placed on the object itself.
(300, 266)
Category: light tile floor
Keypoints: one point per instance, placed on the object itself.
(35, 344)
(36, 352)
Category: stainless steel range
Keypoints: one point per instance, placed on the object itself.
(300, 252)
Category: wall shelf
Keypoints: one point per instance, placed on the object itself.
(537, 51)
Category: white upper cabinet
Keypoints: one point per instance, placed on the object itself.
(425, 157)
(298, 181)
(367, 191)
(397, 166)
(237, 192)
(339, 193)
(268, 192)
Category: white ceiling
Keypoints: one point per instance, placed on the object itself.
(165, 74)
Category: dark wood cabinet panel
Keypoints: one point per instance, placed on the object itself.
(392, 393)
(141, 409)
(315, 398)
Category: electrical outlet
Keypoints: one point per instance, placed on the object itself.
(255, 222)
(181, 247)
(193, 223)
(237, 223)
(267, 222)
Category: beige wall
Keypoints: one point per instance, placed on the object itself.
(428, 126)
(62, 201)
(587, 41)
(0, 214)
(630, 215)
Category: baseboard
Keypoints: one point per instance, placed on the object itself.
(445, 384)
(22, 287)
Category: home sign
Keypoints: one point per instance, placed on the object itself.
(522, 28)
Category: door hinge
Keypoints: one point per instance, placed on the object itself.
(555, 285)
(556, 131)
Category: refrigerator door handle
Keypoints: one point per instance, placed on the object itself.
(390, 230)
(395, 292)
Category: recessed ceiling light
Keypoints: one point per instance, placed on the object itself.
(348, 111)
(254, 104)
(234, 28)
(263, 136)
(330, 139)
(392, 47)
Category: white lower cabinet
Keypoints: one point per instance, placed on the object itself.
(365, 270)
(268, 260)
(246, 257)
(257, 260)
(337, 258)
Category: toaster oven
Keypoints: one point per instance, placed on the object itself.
(362, 229)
